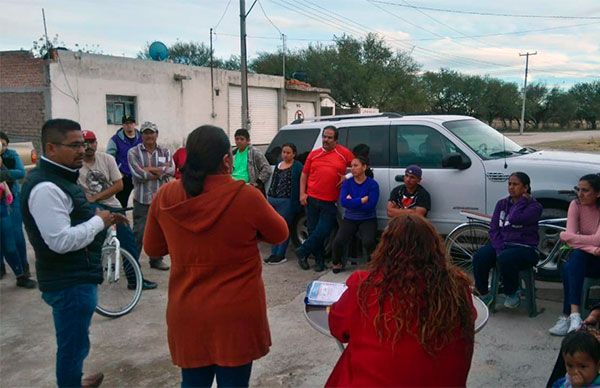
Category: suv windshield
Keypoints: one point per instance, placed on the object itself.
(484, 140)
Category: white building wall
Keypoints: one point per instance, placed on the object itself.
(80, 83)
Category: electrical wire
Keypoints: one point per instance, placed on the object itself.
(270, 21)
(480, 13)
(222, 16)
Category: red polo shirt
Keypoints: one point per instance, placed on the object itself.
(324, 169)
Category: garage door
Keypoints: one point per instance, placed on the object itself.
(299, 109)
(262, 103)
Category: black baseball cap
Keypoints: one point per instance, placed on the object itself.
(128, 119)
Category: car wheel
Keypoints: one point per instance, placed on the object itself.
(299, 234)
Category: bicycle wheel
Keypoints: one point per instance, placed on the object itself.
(464, 241)
(115, 299)
(553, 257)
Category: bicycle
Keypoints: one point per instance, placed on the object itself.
(464, 240)
(120, 270)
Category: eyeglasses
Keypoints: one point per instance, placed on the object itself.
(73, 146)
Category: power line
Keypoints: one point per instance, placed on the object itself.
(222, 16)
(270, 21)
(481, 13)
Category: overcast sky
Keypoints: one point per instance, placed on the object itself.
(457, 34)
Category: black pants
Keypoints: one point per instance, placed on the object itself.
(123, 195)
(367, 231)
(233, 376)
(558, 371)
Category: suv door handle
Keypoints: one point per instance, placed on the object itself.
(399, 178)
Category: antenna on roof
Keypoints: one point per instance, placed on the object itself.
(45, 30)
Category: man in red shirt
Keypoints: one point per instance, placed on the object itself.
(319, 191)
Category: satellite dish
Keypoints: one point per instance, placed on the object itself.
(158, 51)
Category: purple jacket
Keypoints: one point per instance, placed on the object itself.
(119, 145)
(515, 223)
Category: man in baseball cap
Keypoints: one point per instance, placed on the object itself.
(125, 139)
(151, 166)
(411, 196)
(101, 179)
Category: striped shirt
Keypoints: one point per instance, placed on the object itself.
(144, 188)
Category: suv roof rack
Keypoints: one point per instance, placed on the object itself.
(348, 117)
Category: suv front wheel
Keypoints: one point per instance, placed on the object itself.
(299, 233)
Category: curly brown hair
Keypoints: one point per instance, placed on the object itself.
(412, 276)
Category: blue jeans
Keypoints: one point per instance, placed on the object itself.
(511, 260)
(236, 376)
(72, 310)
(283, 206)
(579, 265)
(9, 249)
(321, 217)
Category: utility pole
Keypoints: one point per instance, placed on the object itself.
(244, 64)
(212, 81)
(283, 53)
(526, 55)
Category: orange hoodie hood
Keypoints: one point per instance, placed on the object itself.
(201, 212)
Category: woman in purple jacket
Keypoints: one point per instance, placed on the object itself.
(513, 238)
(358, 196)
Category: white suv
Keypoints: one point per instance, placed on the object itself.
(465, 162)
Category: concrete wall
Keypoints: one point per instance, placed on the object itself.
(80, 83)
(24, 95)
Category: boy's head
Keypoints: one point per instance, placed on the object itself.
(242, 138)
(581, 352)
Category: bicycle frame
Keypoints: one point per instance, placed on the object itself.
(112, 274)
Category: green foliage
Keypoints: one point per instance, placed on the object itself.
(193, 54)
(587, 96)
(363, 73)
(40, 47)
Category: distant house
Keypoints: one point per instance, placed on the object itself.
(97, 90)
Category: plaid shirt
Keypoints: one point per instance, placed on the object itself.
(138, 158)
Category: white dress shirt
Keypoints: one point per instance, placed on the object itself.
(50, 208)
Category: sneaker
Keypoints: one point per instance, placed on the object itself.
(303, 263)
(512, 301)
(561, 327)
(25, 282)
(268, 259)
(574, 322)
(274, 260)
(487, 299)
(92, 381)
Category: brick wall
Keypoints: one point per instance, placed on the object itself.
(19, 69)
(24, 94)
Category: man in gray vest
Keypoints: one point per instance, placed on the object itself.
(67, 235)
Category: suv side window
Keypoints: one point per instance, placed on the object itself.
(303, 139)
(372, 141)
(421, 145)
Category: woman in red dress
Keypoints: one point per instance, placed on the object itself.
(409, 319)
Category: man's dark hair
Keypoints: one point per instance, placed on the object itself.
(55, 131)
(334, 129)
(4, 137)
(243, 133)
(205, 148)
(581, 341)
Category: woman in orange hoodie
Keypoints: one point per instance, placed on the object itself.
(210, 225)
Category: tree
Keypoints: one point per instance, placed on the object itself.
(193, 54)
(562, 106)
(360, 73)
(587, 96)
